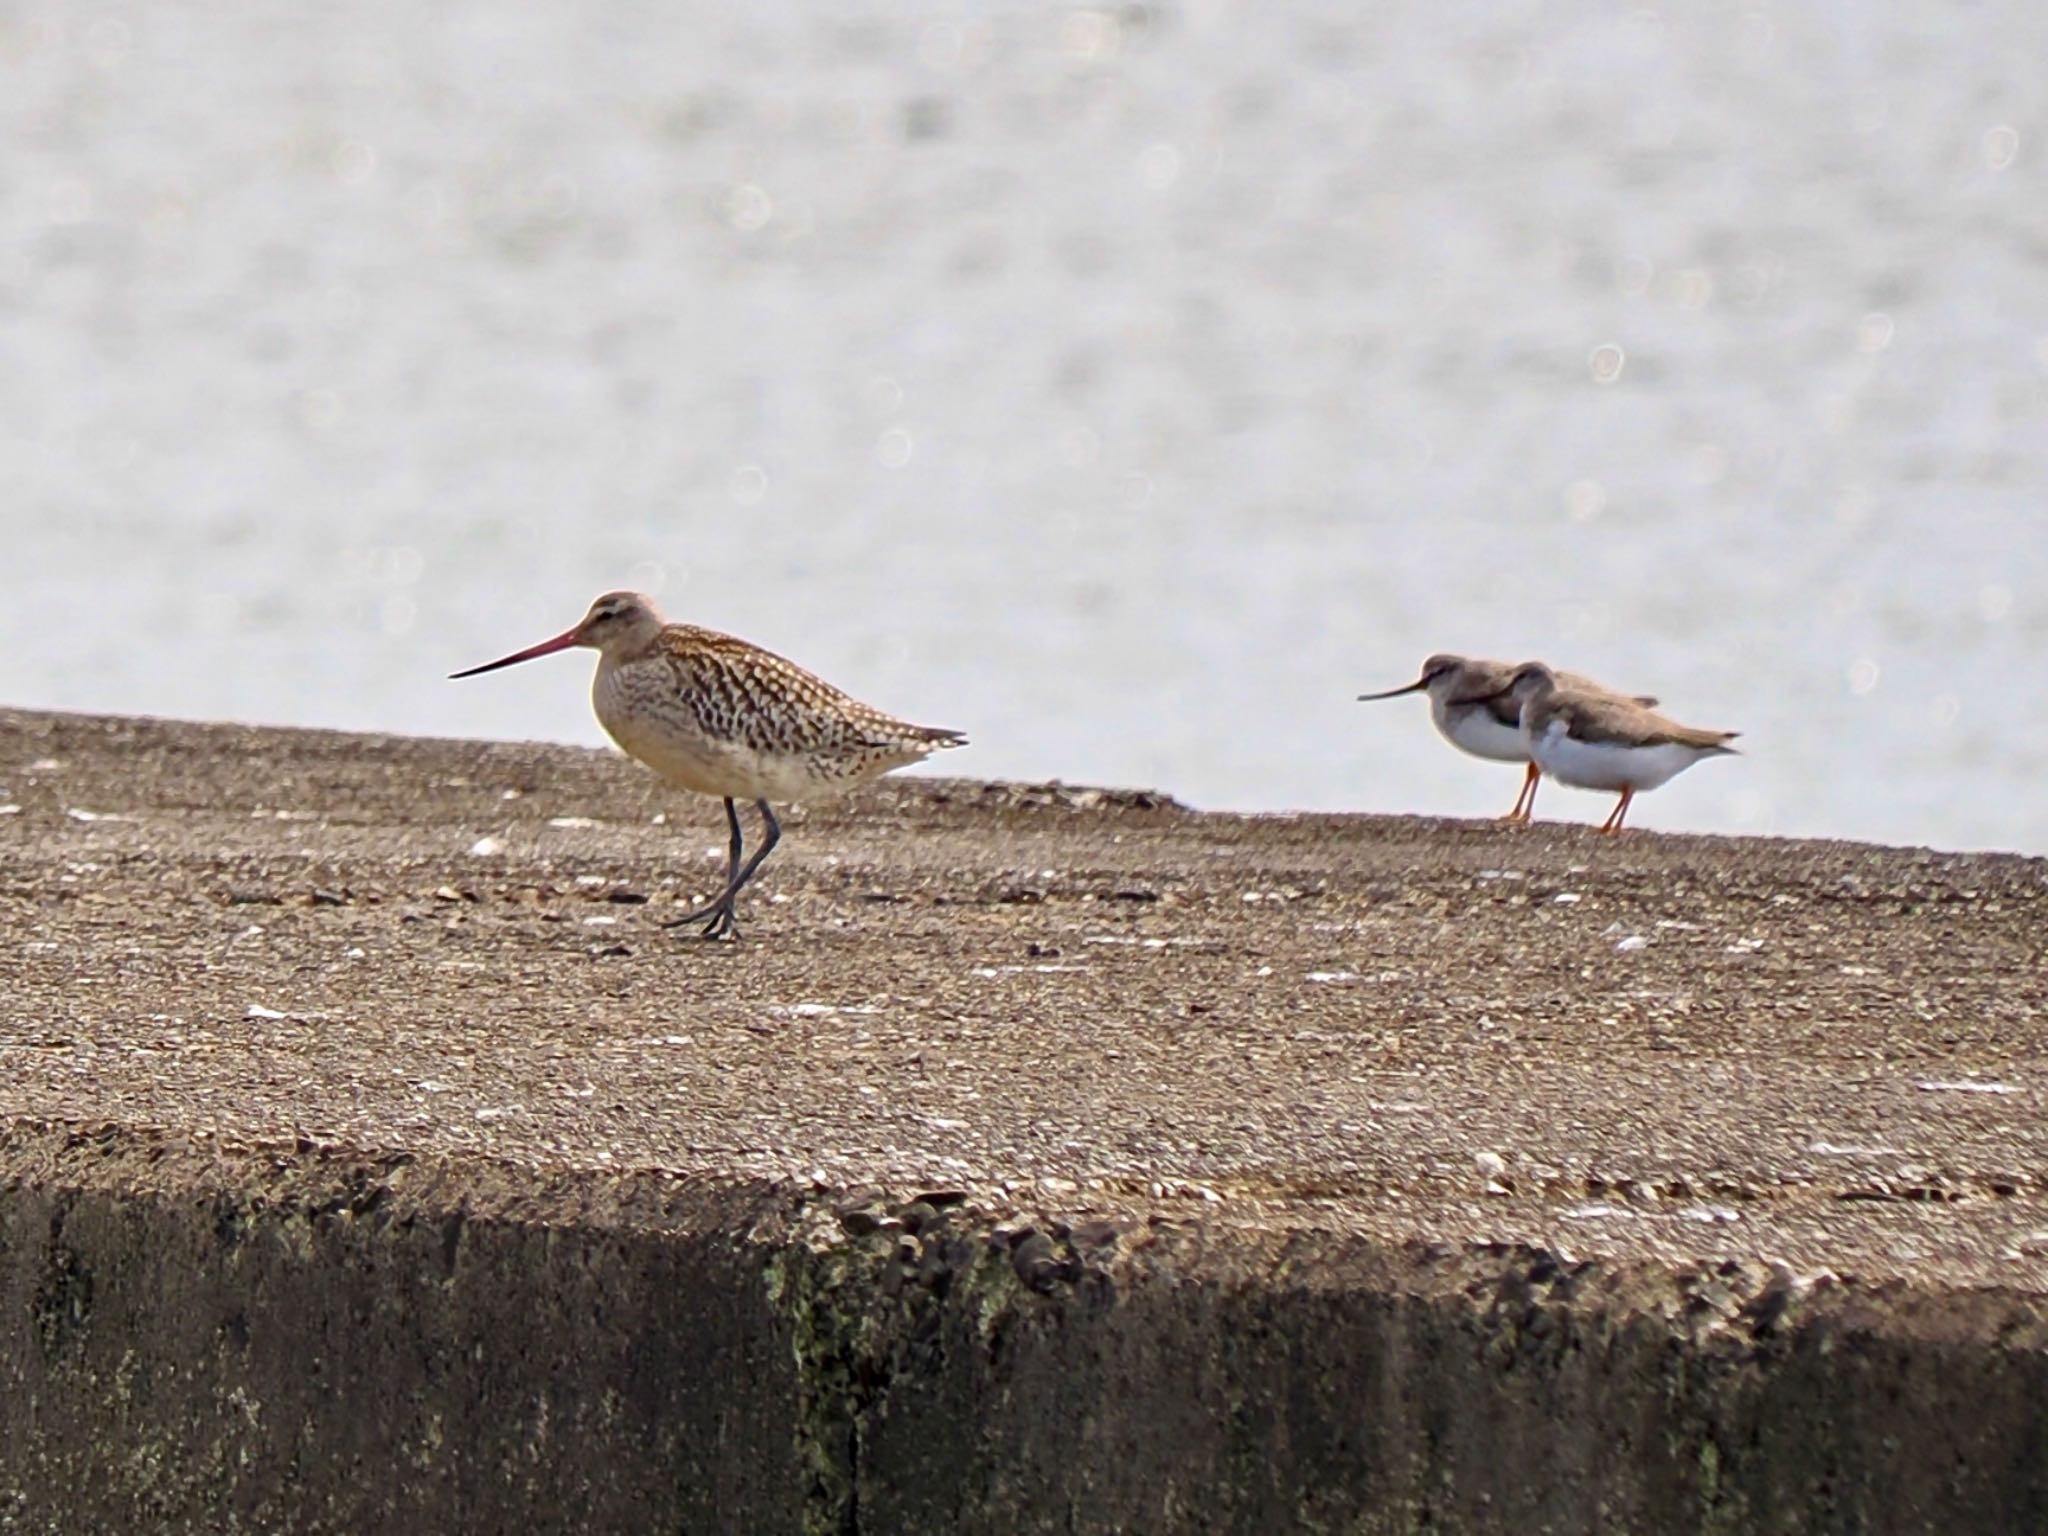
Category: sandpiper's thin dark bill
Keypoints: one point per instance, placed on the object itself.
(1394, 693)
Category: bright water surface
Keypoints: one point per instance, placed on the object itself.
(1130, 388)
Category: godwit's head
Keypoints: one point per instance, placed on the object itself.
(1439, 672)
(1532, 679)
(618, 624)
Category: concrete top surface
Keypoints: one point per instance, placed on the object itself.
(1655, 1048)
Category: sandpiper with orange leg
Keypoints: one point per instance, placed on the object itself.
(1594, 741)
(716, 715)
(1469, 703)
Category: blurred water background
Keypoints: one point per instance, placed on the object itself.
(1130, 387)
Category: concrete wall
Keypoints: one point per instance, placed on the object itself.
(239, 1340)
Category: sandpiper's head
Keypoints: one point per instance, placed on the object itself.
(1440, 671)
(618, 622)
(1530, 680)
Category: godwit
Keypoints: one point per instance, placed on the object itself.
(1469, 703)
(713, 714)
(1595, 741)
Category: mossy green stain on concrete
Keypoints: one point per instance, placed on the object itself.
(855, 1307)
(826, 1327)
(61, 1307)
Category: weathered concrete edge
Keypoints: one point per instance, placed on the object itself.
(257, 740)
(305, 1339)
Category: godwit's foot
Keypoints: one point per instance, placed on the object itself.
(717, 918)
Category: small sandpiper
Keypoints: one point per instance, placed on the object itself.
(1469, 703)
(716, 715)
(1595, 741)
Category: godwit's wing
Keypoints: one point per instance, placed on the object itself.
(740, 693)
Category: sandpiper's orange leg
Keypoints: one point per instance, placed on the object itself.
(1525, 802)
(1613, 821)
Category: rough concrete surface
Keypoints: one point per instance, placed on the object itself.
(1041, 1160)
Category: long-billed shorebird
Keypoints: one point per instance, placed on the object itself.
(1469, 704)
(1596, 741)
(716, 715)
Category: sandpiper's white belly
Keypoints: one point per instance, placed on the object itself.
(1472, 728)
(1608, 765)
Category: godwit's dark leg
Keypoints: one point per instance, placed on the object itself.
(771, 835)
(721, 905)
(722, 924)
(737, 846)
